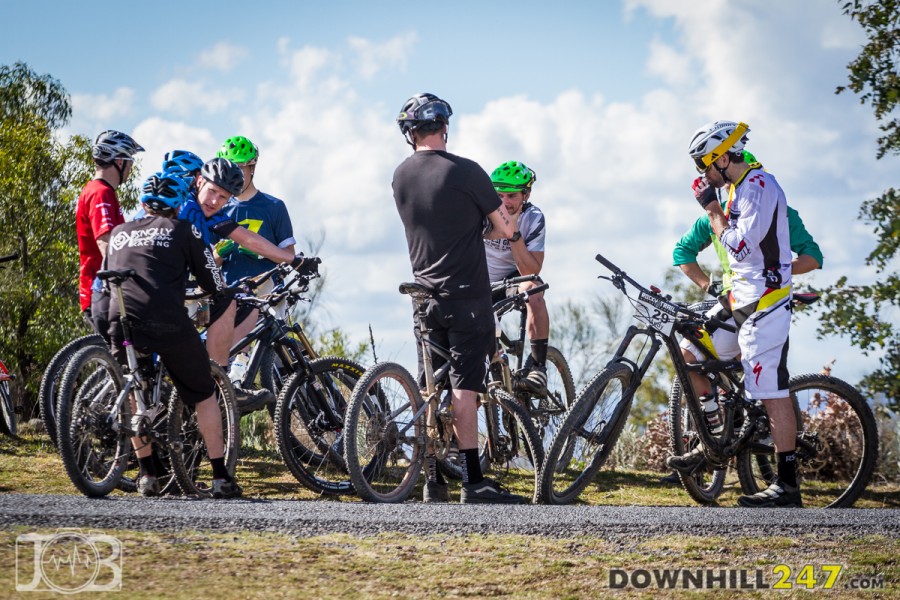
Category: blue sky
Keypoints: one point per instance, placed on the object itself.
(599, 98)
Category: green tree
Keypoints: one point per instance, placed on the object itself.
(864, 312)
(41, 176)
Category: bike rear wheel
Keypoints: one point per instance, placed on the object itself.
(48, 396)
(187, 449)
(94, 449)
(703, 486)
(548, 412)
(837, 444)
(310, 444)
(592, 426)
(384, 445)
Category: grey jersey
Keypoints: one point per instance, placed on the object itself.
(500, 259)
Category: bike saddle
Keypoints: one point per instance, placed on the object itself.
(806, 298)
(416, 290)
(116, 276)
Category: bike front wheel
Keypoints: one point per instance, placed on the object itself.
(311, 443)
(837, 444)
(94, 447)
(384, 444)
(187, 447)
(587, 436)
(547, 412)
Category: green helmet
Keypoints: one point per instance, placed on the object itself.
(513, 176)
(238, 150)
(749, 158)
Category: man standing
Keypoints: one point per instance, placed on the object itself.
(523, 254)
(98, 210)
(754, 230)
(443, 201)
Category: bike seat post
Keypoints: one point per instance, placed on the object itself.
(423, 341)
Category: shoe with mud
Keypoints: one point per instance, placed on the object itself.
(777, 495)
(222, 489)
(436, 492)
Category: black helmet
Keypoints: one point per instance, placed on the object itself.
(224, 174)
(423, 109)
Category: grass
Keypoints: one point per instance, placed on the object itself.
(31, 464)
(201, 564)
(190, 564)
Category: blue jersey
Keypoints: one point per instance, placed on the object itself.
(266, 216)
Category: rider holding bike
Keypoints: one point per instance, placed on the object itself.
(444, 201)
(522, 254)
(162, 250)
(724, 344)
(753, 228)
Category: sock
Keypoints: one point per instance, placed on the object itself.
(471, 465)
(787, 468)
(148, 466)
(219, 470)
(432, 473)
(539, 352)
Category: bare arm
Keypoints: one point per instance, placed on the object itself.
(804, 264)
(695, 274)
(527, 262)
(103, 243)
(503, 226)
(262, 246)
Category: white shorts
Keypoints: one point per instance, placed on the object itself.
(762, 343)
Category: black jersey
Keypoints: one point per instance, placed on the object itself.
(443, 200)
(162, 252)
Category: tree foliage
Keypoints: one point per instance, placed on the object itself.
(41, 176)
(867, 313)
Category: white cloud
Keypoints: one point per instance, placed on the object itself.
(101, 107)
(182, 97)
(372, 57)
(222, 57)
(159, 136)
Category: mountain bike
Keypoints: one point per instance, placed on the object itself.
(598, 416)
(546, 410)
(391, 428)
(111, 405)
(7, 406)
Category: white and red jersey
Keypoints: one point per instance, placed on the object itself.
(97, 213)
(758, 241)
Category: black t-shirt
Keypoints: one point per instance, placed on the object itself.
(443, 200)
(162, 252)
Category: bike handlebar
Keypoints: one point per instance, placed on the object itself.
(9, 257)
(499, 306)
(496, 286)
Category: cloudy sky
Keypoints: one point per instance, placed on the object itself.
(599, 98)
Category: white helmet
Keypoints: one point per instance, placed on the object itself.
(715, 139)
(111, 144)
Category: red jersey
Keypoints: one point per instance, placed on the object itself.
(97, 213)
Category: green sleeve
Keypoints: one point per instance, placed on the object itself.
(698, 237)
(801, 241)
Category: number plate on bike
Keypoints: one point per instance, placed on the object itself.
(655, 312)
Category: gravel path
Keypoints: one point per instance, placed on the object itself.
(309, 518)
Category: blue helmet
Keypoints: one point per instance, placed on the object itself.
(164, 191)
(181, 163)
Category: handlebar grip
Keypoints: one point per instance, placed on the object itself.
(603, 261)
(537, 290)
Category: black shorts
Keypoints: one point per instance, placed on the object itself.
(466, 328)
(181, 351)
(98, 314)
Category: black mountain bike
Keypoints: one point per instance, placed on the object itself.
(837, 441)
(108, 407)
(546, 410)
(391, 428)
